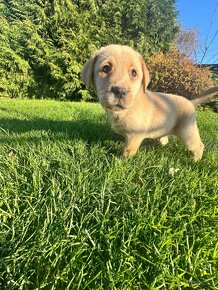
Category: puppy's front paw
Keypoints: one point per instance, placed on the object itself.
(128, 152)
(132, 144)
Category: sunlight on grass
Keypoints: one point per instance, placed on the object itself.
(74, 215)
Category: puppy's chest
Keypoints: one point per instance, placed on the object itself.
(128, 124)
(149, 125)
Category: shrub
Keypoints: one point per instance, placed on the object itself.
(174, 73)
(213, 104)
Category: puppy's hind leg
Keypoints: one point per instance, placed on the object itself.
(197, 150)
(190, 136)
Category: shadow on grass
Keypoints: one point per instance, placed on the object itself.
(83, 128)
(87, 130)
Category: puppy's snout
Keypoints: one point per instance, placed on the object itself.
(119, 92)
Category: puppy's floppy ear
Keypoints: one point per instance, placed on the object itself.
(146, 77)
(87, 73)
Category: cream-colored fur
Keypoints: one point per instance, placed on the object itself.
(120, 78)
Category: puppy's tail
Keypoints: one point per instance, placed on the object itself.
(203, 96)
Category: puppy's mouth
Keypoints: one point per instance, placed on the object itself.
(115, 106)
(116, 101)
(119, 106)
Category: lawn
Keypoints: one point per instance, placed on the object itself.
(74, 215)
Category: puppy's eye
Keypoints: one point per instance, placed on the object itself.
(106, 69)
(133, 73)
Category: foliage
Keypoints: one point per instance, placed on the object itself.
(76, 216)
(174, 73)
(187, 41)
(14, 69)
(213, 103)
(45, 43)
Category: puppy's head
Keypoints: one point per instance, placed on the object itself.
(117, 73)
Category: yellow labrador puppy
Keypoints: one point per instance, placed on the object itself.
(120, 77)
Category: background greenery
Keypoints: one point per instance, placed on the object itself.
(44, 43)
(73, 215)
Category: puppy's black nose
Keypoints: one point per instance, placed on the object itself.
(119, 92)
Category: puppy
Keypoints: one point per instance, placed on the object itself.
(120, 77)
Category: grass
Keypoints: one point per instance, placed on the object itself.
(74, 215)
